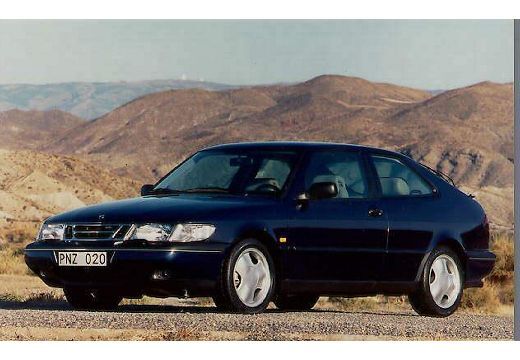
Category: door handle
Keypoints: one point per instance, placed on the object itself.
(375, 212)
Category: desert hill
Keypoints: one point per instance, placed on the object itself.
(88, 100)
(466, 132)
(472, 137)
(30, 129)
(174, 123)
(34, 186)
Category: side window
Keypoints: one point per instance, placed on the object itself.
(397, 179)
(272, 172)
(340, 167)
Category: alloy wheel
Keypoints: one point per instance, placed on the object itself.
(252, 277)
(444, 280)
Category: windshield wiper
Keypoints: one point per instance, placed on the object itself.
(168, 191)
(207, 190)
(161, 191)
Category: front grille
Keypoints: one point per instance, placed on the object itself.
(96, 231)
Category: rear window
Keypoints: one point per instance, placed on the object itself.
(397, 179)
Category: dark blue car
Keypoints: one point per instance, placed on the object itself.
(286, 222)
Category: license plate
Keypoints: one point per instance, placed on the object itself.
(83, 258)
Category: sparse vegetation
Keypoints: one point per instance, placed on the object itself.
(13, 236)
(32, 298)
(497, 295)
(17, 233)
(11, 261)
(371, 303)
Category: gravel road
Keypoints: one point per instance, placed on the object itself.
(153, 322)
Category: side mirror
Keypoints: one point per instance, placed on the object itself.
(146, 189)
(323, 190)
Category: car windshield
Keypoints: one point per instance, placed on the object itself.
(231, 172)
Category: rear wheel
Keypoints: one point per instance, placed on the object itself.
(296, 302)
(441, 286)
(248, 279)
(87, 299)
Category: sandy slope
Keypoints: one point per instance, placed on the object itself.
(35, 185)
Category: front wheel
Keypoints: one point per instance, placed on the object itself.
(248, 279)
(440, 290)
(87, 299)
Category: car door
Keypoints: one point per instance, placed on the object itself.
(340, 239)
(409, 200)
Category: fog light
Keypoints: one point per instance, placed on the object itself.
(161, 275)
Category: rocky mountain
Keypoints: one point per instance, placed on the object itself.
(174, 123)
(465, 132)
(88, 100)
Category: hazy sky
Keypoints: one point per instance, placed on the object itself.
(422, 54)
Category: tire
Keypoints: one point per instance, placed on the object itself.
(221, 303)
(86, 299)
(296, 302)
(441, 285)
(247, 279)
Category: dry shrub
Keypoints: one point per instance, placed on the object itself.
(13, 237)
(18, 232)
(485, 299)
(502, 244)
(44, 297)
(380, 302)
(11, 261)
(33, 298)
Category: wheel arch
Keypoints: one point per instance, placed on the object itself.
(260, 234)
(445, 241)
(456, 246)
(266, 238)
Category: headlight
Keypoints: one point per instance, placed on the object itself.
(191, 232)
(150, 232)
(177, 233)
(51, 232)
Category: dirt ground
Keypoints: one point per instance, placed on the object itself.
(29, 310)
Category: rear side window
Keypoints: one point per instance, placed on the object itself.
(397, 179)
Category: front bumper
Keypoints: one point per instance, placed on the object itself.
(186, 270)
(479, 264)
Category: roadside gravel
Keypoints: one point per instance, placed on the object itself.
(157, 322)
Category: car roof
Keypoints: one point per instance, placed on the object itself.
(297, 145)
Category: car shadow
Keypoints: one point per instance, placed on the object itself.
(62, 305)
(33, 305)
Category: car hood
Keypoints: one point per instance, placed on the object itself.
(166, 209)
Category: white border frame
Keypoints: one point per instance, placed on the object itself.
(260, 9)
